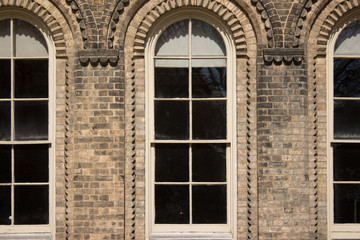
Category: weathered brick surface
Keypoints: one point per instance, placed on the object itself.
(282, 151)
(281, 113)
(98, 155)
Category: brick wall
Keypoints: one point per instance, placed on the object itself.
(100, 112)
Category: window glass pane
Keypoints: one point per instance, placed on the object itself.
(5, 43)
(209, 204)
(5, 205)
(31, 163)
(347, 119)
(5, 78)
(171, 78)
(5, 120)
(206, 40)
(174, 40)
(31, 120)
(347, 203)
(346, 77)
(5, 164)
(171, 162)
(209, 119)
(29, 42)
(209, 162)
(208, 81)
(346, 161)
(31, 205)
(172, 204)
(172, 120)
(31, 78)
(348, 40)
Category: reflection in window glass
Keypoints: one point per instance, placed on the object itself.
(29, 42)
(348, 40)
(172, 204)
(346, 161)
(346, 77)
(31, 205)
(172, 120)
(5, 78)
(31, 163)
(171, 78)
(206, 40)
(5, 205)
(208, 82)
(174, 40)
(31, 122)
(5, 42)
(209, 204)
(5, 164)
(209, 115)
(171, 163)
(209, 162)
(347, 119)
(31, 78)
(347, 203)
(5, 121)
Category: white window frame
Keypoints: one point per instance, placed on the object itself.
(199, 231)
(38, 231)
(337, 231)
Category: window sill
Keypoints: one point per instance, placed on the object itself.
(33, 236)
(191, 236)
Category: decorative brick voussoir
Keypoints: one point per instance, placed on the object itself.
(103, 56)
(114, 20)
(300, 21)
(80, 19)
(331, 20)
(223, 11)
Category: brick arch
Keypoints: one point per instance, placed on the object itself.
(331, 17)
(55, 22)
(234, 20)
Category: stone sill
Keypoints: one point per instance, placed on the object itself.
(191, 236)
(32, 236)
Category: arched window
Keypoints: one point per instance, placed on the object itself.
(344, 133)
(26, 145)
(190, 127)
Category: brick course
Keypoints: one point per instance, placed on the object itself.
(281, 112)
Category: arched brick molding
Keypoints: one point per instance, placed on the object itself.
(324, 20)
(331, 20)
(245, 40)
(225, 12)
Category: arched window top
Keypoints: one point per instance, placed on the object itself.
(28, 41)
(205, 40)
(348, 40)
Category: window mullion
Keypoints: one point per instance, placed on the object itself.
(190, 181)
(12, 185)
(190, 78)
(190, 123)
(12, 84)
(12, 117)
